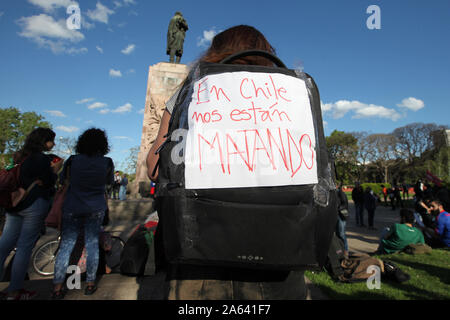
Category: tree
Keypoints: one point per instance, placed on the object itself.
(131, 160)
(383, 153)
(344, 149)
(415, 138)
(14, 127)
(363, 153)
(64, 146)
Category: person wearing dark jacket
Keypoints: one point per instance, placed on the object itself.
(25, 221)
(84, 206)
(358, 199)
(342, 217)
(370, 203)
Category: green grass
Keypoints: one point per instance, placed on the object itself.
(430, 279)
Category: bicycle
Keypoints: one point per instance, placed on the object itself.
(43, 259)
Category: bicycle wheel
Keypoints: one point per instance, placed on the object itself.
(113, 255)
(44, 258)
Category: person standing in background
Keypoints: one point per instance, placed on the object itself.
(123, 188)
(358, 198)
(116, 185)
(370, 202)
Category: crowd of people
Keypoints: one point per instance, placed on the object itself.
(427, 222)
(118, 190)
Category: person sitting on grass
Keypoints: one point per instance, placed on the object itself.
(396, 237)
(442, 222)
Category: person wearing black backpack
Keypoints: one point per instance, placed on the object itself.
(25, 221)
(223, 281)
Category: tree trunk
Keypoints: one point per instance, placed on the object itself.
(386, 174)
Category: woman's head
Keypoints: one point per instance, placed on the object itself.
(39, 140)
(236, 39)
(92, 142)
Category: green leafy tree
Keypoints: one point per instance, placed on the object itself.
(343, 147)
(14, 127)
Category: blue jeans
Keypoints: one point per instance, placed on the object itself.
(21, 231)
(71, 226)
(123, 193)
(340, 231)
(359, 214)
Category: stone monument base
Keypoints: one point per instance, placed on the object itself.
(163, 80)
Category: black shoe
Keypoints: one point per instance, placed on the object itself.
(59, 294)
(90, 289)
(394, 273)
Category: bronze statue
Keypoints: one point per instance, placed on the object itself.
(175, 36)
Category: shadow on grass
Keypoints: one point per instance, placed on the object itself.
(442, 273)
(357, 294)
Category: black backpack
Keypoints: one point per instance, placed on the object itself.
(223, 208)
(137, 257)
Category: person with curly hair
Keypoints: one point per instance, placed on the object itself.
(25, 221)
(84, 206)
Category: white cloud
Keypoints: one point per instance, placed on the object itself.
(131, 71)
(117, 4)
(97, 105)
(412, 103)
(100, 14)
(55, 113)
(123, 138)
(1, 14)
(115, 73)
(85, 24)
(85, 100)
(360, 110)
(45, 26)
(67, 129)
(129, 2)
(76, 50)
(129, 49)
(99, 49)
(122, 109)
(208, 35)
(51, 5)
(51, 34)
(104, 111)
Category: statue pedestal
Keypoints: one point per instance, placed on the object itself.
(163, 80)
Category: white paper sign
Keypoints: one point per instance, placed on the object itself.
(250, 130)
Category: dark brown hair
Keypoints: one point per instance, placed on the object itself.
(92, 142)
(34, 143)
(236, 39)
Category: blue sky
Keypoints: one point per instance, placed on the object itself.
(369, 80)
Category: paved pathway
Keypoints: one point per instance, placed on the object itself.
(361, 239)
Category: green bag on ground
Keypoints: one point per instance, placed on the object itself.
(418, 248)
